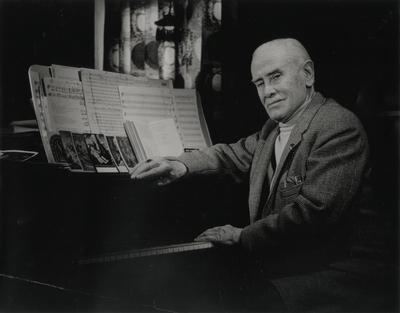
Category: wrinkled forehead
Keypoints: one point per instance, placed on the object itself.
(289, 48)
(273, 57)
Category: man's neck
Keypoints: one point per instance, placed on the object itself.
(293, 119)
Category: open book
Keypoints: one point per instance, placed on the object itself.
(163, 125)
(85, 103)
(154, 138)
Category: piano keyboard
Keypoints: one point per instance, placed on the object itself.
(145, 252)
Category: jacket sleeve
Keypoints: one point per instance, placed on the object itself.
(335, 168)
(232, 160)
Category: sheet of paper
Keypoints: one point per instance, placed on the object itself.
(64, 114)
(36, 73)
(64, 106)
(166, 137)
(25, 123)
(146, 139)
(146, 104)
(63, 87)
(188, 119)
(103, 101)
(65, 72)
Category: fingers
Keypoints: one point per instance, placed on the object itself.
(161, 170)
(147, 169)
(218, 229)
(216, 235)
(210, 232)
(154, 172)
(226, 235)
(139, 168)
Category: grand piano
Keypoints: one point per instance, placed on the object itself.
(102, 242)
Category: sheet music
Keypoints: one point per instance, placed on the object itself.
(188, 119)
(65, 72)
(94, 105)
(36, 74)
(63, 87)
(64, 106)
(103, 103)
(145, 104)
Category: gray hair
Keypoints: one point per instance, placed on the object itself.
(297, 46)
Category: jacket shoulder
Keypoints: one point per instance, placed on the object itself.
(333, 115)
(267, 128)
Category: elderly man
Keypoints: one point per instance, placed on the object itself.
(311, 227)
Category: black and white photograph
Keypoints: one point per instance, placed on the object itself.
(283, 196)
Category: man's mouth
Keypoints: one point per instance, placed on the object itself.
(274, 102)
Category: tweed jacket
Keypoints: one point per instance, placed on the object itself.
(322, 185)
(317, 211)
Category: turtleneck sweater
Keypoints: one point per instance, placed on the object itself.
(285, 129)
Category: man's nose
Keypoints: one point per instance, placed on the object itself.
(269, 91)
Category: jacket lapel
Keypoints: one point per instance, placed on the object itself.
(262, 158)
(295, 137)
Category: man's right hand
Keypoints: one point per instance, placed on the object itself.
(162, 170)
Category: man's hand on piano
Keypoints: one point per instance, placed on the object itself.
(225, 235)
(161, 170)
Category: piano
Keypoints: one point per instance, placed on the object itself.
(139, 253)
(106, 238)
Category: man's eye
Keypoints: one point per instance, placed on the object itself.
(259, 84)
(276, 76)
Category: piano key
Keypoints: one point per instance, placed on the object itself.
(145, 252)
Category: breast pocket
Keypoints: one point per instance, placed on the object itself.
(290, 190)
(288, 193)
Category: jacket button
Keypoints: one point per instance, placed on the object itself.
(291, 147)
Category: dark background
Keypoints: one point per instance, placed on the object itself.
(40, 32)
(354, 45)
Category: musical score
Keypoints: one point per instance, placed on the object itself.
(87, 101)
(102, 97)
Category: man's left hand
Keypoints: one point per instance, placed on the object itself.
(225, 235)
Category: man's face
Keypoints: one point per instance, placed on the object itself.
(280, 82)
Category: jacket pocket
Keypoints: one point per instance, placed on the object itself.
(290, 190)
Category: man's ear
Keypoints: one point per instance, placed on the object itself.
(308, 70)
